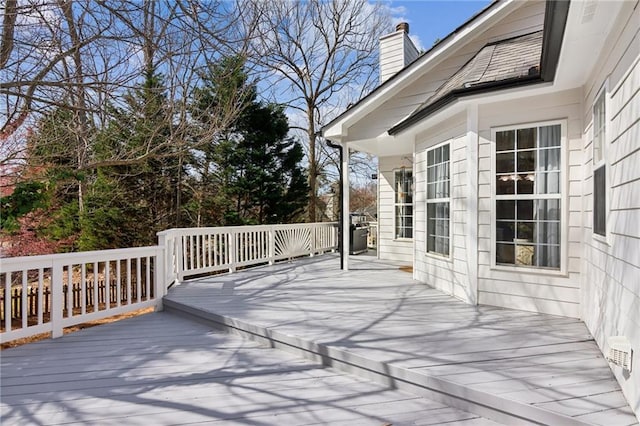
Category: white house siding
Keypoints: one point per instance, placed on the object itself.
(446, 274)
(517, 288)
(611, 267)
(529, 17)
(389, 247)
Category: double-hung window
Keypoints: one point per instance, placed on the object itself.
(528, 198)
(438, 202)
(599, 168)
(404, 203)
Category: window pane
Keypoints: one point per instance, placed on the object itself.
(505, 185)
(445, 152)
(548, 183)
(599, 201)
(525, 254)
(505, 140)
(527, 138)
(525, 209)
(550, 135)
(505, 231)
(525, 183)
(430, 158)
(548, 233)
(548, 209)
(505, 163)
(526, 161)
(525, 231)
(505, 209)
(438, 227)
(549, 159)
(547, 256)
(431, 243)
(505, 253)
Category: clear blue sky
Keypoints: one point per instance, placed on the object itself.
(432, 19)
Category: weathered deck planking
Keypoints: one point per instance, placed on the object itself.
(378, 318)
(163, 369)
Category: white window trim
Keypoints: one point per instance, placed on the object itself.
(428, 253)
(604, 90)
(564, 201)
(413, 204)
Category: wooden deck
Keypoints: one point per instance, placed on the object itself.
(161, 369)
(375, 321)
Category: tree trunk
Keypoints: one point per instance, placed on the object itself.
(313, 167)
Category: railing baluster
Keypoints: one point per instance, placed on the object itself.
(118, 281)
(7, 302)
(83, 284)
(40, 296)
(138, 280)
(23, 297)
(129, 301)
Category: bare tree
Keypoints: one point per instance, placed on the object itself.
(319, 56)
(85, 55)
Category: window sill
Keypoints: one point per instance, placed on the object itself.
(530, 270)
(602, 239)
(437, 256)
(403, 240)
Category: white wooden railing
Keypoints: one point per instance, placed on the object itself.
(62, 290)
(197, 251)
(73, 288)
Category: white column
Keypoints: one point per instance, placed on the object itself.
(472, 202)
(346, 218)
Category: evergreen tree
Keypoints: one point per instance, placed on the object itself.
(128, 204)
(254, 166)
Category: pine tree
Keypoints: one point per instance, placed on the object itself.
(253, 165)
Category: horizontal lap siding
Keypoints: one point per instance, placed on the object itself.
(532, 291)
(526, 19)
(389, 247)
(611, 268)
(448, 275)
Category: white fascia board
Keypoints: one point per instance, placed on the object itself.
(338, 130)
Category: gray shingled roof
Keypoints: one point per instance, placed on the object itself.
(503, 60)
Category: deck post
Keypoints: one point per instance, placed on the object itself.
(57, 300)
(272, 244)
(346, 217)
(160, 277)
(232, 250)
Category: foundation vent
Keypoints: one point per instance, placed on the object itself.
(620, 352)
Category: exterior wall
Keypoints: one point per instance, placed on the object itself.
(529, 17)
(390, 248)
(611, 266)
(522, 288)
(448, 274)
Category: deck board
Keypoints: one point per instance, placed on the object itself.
(378, 315)
(163, 369)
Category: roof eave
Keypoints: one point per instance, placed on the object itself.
(459, 93)
(555, 20)
(442, 44)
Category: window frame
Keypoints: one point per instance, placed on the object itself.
(396, 204)
(428, 201)
(603, 94)
(564, 201)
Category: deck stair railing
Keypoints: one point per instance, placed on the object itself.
(45, 294)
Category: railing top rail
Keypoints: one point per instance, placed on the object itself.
(11, 264)
(224, 229)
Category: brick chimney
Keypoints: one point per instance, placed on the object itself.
(396, 51)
